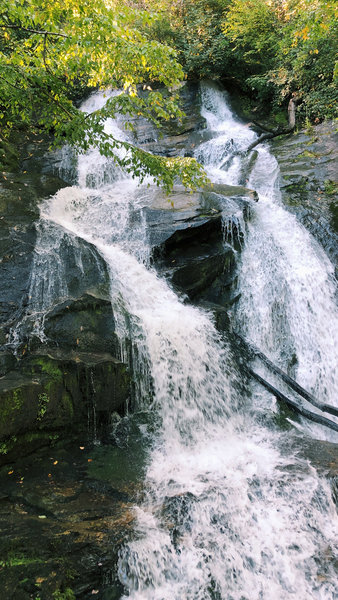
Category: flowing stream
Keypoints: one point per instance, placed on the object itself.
(227, 512)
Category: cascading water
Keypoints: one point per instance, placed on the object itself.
(286, 281)
(226, 514)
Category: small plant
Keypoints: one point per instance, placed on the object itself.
(3, 448)
(309, 130)
(6, 446)
(43, 402)
(331, 187)
(68, 594)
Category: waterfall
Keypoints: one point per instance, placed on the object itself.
(227, 513)
(286, 280)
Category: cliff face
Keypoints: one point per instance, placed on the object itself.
(309, 181)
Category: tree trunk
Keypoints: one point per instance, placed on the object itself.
(253, 351)
(275, 133)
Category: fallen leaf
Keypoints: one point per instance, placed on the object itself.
(55, 462)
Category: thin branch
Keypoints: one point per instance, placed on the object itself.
(300, 409)
(11, 84)
(277, 132)
(44, 54)
(262, 127)
(29, 30)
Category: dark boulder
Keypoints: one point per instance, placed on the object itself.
(58, 391)
(175, 138)
(195, 238)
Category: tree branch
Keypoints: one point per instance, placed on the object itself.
(277, 132)
(29, 30)
(300, 409)
(285, 377)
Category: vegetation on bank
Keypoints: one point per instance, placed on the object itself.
(269, 49)
(52, 52)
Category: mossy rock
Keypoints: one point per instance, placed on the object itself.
(60, 392)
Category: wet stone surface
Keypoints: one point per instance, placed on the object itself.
(309, 181)
(65, 510)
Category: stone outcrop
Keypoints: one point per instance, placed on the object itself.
(309, 181)
(55, 391)
(175, 138)
(74, 380)
(195, 238)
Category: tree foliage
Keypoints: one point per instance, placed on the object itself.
(288, 47)
(271, 49)
(50, 52)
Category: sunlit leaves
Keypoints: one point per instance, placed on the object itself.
(50, 52)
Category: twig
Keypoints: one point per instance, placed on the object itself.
(38, 31)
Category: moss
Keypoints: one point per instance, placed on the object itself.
(48, 367)
(12, 402)
(331, 187)
(68, 594)
(19, 561)
(42, 406)
(31, 439)
(68, 405)
(308, 154)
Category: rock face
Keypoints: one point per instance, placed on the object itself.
(65, 510)
(56, 391)
(74, 381)
(195, 238)
(308, 163)
(175, 138)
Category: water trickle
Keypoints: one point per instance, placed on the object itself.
(228, 514)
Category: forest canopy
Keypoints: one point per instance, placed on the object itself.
(53, 53)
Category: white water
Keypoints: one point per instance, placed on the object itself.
(226, 515)
(287, 307)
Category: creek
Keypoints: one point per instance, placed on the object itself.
(228, 510)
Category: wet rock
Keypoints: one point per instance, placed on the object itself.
(322, 455)
(56, 391)
(61, 529)
(20, 194)
(177, 512)
(175, 138)
(85, 324)
(188, 233)
(309, 182)
(7, 362)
